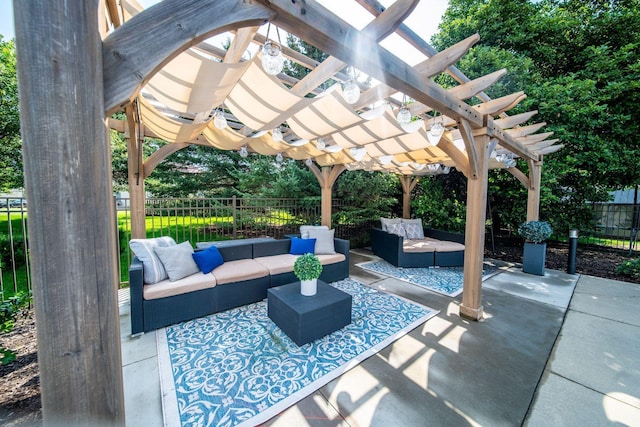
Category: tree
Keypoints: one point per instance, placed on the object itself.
(10, 143)
(578, 62)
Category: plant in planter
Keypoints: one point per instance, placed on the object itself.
(307, 269)
(535, 250)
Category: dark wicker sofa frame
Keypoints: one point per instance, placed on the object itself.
(148, 315)
(388, 246)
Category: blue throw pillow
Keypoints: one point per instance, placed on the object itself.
(302, 246)
(208, 259)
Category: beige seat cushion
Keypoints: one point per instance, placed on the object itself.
(331, 259)
(419, 246)
(277, 264)
(446, 246)
(237, 271)
(167, 288)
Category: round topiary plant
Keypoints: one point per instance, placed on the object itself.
(307, 267)
(535, 231)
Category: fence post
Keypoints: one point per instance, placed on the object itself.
(235, 229)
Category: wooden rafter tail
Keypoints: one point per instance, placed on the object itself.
(497, 106)
(525, 130)
(515, 120)
(543, 144)
(474, 87)
(508, 142)
(550, 150)
(532, 139)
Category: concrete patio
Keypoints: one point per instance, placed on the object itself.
(544, 355)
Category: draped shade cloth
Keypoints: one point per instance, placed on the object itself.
(178, 101)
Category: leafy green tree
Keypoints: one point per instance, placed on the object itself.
(10, 143)
(579, 64)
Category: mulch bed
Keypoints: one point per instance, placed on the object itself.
(20, 403)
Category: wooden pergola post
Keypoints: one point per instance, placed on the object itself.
(408, 184)
(73, 248)
(136, 175)
(533, 196)
(326, 178)
(471, 306)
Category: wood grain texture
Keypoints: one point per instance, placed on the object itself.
(72, 236)
(166, 29)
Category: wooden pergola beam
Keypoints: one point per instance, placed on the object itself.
(336, 37)
(326, 177)
(408, 183)
(165, 29)
(239, 44)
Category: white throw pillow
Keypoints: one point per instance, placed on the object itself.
(324, 241)
(413, 228)
(152, 267)
(178, 260)
(304, 229)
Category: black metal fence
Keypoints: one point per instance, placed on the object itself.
(198, 220)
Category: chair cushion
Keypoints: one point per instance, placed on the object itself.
(331, 259)
(447, 246)
(154, 271)
(324, 241)
(208, 259)
(302, 246)
(177, 260)
(418, 246)
(167, 288)
(239, 270)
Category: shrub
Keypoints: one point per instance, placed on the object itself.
(630, 268)
(19, 257)
(9, 311)
(535, 231)
(307, 267)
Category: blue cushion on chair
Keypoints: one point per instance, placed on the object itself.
(302, 246)
(208, 259)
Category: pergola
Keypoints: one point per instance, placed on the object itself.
(80, 61)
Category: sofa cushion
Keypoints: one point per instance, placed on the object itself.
(304, 229)
(239, 270)
(177, 260)
(167, 288)
(413, 228)
(417, 246)
(447, 246)
(277, 264)
(324, 241)
(331, 259)
(208, 259)
(154, 271)
(302, 246)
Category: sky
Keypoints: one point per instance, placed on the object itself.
(424, 20)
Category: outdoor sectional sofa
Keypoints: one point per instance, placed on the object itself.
(436, 248)
(249, 269)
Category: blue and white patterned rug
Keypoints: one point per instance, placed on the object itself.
(443, 280)
(238, 368)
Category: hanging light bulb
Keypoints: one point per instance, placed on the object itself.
(277, 135)
(358, 153)
(272, 59)
(435, 133)
(320, 144)
(350, 90)
(308, 162)
(279, 158)
(220, 120)
(433, 167)
(385, 160)
(243, 152)
(404, 116)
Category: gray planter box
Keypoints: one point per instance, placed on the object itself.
(534, 257)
